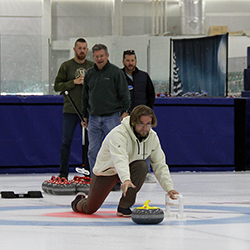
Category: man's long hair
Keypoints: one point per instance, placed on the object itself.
(139, 111)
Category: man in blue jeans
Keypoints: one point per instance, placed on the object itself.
(105, 100)
(70, 77)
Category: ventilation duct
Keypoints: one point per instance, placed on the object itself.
(192, 18)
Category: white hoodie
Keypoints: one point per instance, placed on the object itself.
(121, 147)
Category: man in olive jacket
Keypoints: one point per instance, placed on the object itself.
(70, 77)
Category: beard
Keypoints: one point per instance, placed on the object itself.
(140, 136)
(130, 68)
(81, 56)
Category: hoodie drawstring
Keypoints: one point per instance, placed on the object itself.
(144, 146)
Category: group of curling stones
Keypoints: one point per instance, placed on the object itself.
(61, 186)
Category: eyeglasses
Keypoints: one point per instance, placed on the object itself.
(128, 52)
(147, 126)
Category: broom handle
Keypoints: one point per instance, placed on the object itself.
(74, 106)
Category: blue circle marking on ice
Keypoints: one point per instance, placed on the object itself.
(231, 215)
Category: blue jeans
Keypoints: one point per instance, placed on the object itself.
(148, 163)
(98, 128)
(70, 121)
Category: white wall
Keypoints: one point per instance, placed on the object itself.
(238, 46)
(94, 18)
(21, 17)
(159, 50)
(26, 27)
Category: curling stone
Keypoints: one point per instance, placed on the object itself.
(48, 185)
(58, 186)
(82, 184)
(147, 214)
(63, 187)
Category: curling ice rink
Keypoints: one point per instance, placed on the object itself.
(216, 204)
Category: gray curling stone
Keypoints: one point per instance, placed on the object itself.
(82, 184)
(48, 185)
(147, 214)
(82, 188)
(58, 186)
(44, 186)
(63, 187)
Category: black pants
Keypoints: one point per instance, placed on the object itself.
(70, 122)
(101, 186)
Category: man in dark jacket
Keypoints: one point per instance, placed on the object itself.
(105, 99)
(141, 89)
(140, 85)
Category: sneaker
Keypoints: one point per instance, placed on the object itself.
(117, 187)
(123, 212)
(78, 197)
(149, 178)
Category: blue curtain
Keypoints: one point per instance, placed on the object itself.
(200, 64)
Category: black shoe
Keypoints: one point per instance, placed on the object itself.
(124, 212)
(117, 187)
(78, 197)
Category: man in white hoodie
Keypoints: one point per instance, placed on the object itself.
(122, 158)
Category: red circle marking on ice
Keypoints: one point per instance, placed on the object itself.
(101, 214)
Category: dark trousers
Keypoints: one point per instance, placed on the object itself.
(101, 186)
(70, 121)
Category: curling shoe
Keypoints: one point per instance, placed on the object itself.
(124, 212)
(78, 197)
